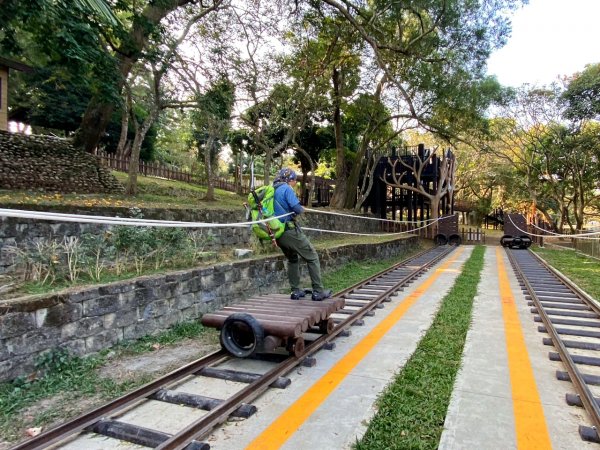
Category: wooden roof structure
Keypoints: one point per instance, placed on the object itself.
(15, 65)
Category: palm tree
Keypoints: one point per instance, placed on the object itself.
(100, 7)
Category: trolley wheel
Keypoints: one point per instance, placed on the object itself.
(516, 242)
(296, 346)
(454, 240)
(525, 241)
(242, 335)
(326, 326)
(506, 240)
(440, 239)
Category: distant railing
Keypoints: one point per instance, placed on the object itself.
(159, 170)
(472, 236)
(590, 247)
(320, 196)
(468, 236)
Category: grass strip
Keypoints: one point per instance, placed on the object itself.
(581, 269)
(352, 272)
(412, 410)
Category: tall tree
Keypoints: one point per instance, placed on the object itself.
(432, 54)
(64, 42)
(328, 49)
(554, 160)
(144, 24)
(212, 120)
(583, 94)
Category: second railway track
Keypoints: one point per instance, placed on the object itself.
(204, 409)
(572, 320)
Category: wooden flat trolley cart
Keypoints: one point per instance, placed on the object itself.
(262, 324)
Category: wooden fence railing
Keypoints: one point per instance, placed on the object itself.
(321, 195)
(156, 169)
(472, 236)
(590, 247)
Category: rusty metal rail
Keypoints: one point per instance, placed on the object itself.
(557, 301)
(361, 299)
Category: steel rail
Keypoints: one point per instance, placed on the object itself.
(586, 396)
(591, 302)
(206, 424)
(61, 431)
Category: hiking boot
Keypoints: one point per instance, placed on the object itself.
(322, 295)
(297, 294)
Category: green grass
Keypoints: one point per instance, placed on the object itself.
(412, 410)
(152, 193)
(356, 271)
(322, 243)
(581, 269)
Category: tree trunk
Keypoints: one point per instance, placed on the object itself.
(354, 177)
(210, 189)
(435, 206)
(134, 162)
(98, 112)
(367, 184)
(306, 187)
(268, 159)
(239, 180)
(339, 195)
(92, 125)
(124, 130)
(353, 195)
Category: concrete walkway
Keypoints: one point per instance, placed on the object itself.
(328, 407)
(481, 414)
(342, 415)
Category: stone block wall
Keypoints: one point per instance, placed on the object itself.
(25, 232)
(87, 320)
(52, 164)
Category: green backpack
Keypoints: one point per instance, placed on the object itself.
(261, 205)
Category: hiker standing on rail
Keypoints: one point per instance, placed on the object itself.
(293, 242)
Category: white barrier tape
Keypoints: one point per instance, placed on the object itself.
(372, 234)
(589, 235)
(581, 236)
(370, 218)
(104, 220)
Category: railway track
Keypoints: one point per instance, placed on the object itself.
(572, 320)
(121, 421)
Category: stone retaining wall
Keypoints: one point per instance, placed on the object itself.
(46, 163)
(25, 232)
(86, 320)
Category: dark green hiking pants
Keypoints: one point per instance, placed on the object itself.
(294, 243)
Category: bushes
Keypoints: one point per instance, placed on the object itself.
(123, 250)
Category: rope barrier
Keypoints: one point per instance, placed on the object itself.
(371, 218)
(372, 234)
(582, 236)
(107, 220)
(553, 234)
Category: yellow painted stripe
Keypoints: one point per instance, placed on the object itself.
(530, 423)
(288, 423)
